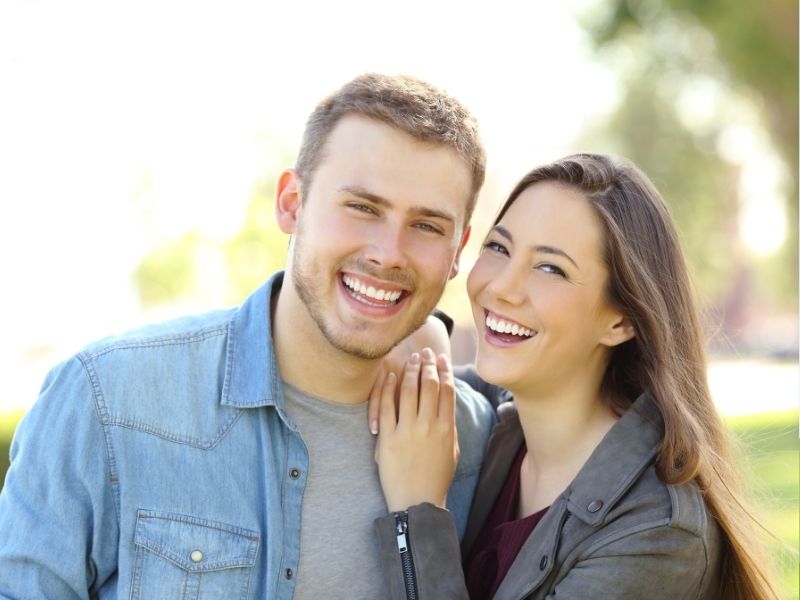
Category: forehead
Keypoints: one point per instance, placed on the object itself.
(365, 153)
(553, 214)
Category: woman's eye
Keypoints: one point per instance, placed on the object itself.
(552, 269)
(495, 247)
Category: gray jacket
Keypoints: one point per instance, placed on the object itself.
(616, 532)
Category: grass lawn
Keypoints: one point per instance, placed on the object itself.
(769, 445)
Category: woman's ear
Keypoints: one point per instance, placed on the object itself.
(619, 331)
(287, 200)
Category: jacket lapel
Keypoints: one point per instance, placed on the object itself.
(618, 461)
(537, 556)
(504, 443)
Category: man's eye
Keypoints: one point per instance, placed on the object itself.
(428, 227)
(361, 207)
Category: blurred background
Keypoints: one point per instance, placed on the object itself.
(140, 144)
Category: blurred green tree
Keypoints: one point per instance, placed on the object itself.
(197, 265)
(686, 68)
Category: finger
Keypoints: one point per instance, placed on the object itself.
(447, 390)
(388, 416)
(374, 404)
(409, 391)
(428, 387)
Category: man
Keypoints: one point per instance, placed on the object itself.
(228, 455)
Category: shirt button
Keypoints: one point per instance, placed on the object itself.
(543, 563)
(196, 556)
(289, 574)
(294, 473)
(594, 506)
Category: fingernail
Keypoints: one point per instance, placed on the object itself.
(414, 359)
(443, 362)
(373, 427)
(427, 354)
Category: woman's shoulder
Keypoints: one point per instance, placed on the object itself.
(620, 487)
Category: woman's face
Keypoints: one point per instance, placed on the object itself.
(538, 294)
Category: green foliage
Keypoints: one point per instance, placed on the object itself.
(167, 272)
(259, 248)
(770, 449)
(8, 424)
(200, 267)
(691, 178)
(664, 48)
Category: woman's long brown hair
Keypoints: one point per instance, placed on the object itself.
(649, 282)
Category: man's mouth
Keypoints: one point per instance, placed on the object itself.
(371, 295)
(507, 330)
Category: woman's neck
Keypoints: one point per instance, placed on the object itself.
(562, 429)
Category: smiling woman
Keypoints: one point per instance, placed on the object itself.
(609, 475)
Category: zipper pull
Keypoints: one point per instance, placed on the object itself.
(401, 523)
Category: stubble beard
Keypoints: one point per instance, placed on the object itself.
(309, 281)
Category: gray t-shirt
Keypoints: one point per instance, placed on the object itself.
(338, 548)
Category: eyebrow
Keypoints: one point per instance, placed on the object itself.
(425, 211)
(544, 249)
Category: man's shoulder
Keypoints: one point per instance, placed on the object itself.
(155, 377)
(475, 417)
(191, 329)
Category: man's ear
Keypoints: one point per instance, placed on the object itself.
(464, 240)
(618, 332)
(287, 200)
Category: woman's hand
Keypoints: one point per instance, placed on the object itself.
(417, 447)
(432, 334)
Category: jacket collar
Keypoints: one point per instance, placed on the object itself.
(252, 377)
(620, 458)
(617, 462)
(504, 443)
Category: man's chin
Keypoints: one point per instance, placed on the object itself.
(364, 352)
(365, 349)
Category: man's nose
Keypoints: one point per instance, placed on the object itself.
(387, 248)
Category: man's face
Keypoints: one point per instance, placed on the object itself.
(377, 234)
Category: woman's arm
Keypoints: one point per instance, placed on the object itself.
(417, 451)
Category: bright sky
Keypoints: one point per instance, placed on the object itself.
(122, 123)
(109, 108)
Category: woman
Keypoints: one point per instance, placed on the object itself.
(609, 475)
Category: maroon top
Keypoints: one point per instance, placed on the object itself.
(500, 539)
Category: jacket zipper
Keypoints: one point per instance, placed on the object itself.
(406, 558)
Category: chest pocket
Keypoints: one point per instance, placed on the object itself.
(188, 558)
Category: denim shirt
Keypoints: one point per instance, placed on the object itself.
(162, 464)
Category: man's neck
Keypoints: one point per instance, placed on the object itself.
(308, 361)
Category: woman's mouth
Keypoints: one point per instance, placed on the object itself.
(505, 330)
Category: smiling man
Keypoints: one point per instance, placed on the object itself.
(227, 455)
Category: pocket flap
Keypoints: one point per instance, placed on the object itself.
(195, 544)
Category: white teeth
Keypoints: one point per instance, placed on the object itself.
(502, 326)
(370, 292)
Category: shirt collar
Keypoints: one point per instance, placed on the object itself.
(252, 378)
